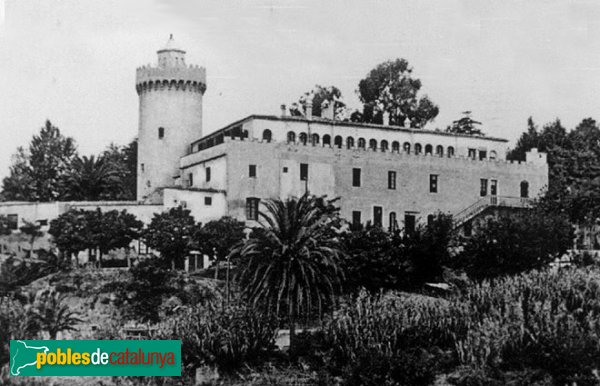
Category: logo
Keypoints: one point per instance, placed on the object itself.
(95, 358)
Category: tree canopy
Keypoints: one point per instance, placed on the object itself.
(390, 87)
(465, 125)
(170, 233)
(320, 94)
(50, 169)
(574, 166)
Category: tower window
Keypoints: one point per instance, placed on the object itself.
(252, 171)
(252, 208)
(433, 183)
(161, 132)
(391, 179)
(303, 172)
(208, 174)
(356, 177)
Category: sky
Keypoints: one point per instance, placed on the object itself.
(74, 61)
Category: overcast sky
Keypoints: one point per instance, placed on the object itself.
(73, 61)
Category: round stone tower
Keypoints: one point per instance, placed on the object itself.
(170, 117)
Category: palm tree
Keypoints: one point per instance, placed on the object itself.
(92, 178)
(292, 260)
(50, 313)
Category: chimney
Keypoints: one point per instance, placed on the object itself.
(309, 105)
(327, 110)
(283, 110)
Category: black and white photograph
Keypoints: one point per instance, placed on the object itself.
(299, 192)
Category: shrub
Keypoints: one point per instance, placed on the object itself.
(226, 338)
(508, 245)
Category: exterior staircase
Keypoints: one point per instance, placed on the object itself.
(484, 203)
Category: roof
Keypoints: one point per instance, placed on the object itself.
(345, 123)
(171, 46)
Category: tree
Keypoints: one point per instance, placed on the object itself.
(5, 226)
(292, 260)
(123, 159)
(170, 233)
(515, 243)
(92, 179)
(112, 230)
(33, 231)
(320, 94)
(574, 167)
(217, 237)
(465, 125)
(35, 175)
(371, 260)
(70, 232)
(51, 314)
(390, 87)
(18, 185)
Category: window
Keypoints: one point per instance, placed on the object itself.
(303, 172)
(439, 150)
(433, 183)
(338, 141)
(391, 179)
(472, 153)
(483, 187)
(406, 147)
(393, 222)
(450, 151)
(148, 183)
(252, 171)
(252, 208)
(208, 201)
(418, 148)
(377, 216)
(429, 220)
(267, 135)
(524, 189)
(326, 140)
(13, 221)
(482, 154)
(303, 138)
(285, 169)
(494, 187)
(384, 145)
(43, 222)
(161, 132)
(396, 146)
(350, 142)
(409, 223)
(191, 179)
(142, 167)
(428, 149)
(355, 177)
(493, 154)
(361, 143)
(356, 221)
(291, 136)
(315, 139)
(373, 144)
(207, 174)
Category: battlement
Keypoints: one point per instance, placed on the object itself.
(531, 163)
(150, 78)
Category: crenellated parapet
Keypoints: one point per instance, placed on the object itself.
(186, 78)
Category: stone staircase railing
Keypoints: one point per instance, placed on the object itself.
(485, 202)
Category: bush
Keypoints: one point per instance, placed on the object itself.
(509, 245)
(226, 338)
(395, 339)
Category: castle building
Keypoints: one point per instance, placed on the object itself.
(387, 175)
